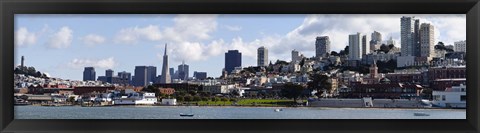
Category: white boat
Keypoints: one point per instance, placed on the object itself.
(454, 97)
(186, 115)
(421, 114)
(278, 110)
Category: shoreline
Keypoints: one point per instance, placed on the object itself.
(229, 106)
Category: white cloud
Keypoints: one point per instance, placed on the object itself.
(233, 28)
(186, 27)
(61, 39)
(107, 63)
(93, 39)
(24, 37)
(134, 34)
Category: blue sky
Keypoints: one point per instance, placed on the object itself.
(61, 45)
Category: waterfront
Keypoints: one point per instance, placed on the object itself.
(172, 112)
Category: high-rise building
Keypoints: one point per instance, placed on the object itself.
(322, 46)
(108, 76)
(460, 46)
(427, 40)
(109, 73)
(165, 73)
(152, 74)
(391, 41)
(355, 46)
(172, 73)
(125, 77)
(200, 75)
(408, 36)
(365, 45)
(262, 56)
(416, 44)
(376, 41)
(376, 36)
(233, 58)
(89, 74)
(183, 71)
(140, 78)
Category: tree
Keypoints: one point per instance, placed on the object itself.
(302, 62)
(319, 82)
(152, 89)
(193, 93)
(224, 99)
(334, 53)
(281, 62)
(235, 93)
(384, 48)
(180, 98)
(292, 91)
(205, 99)
(71, 99)
(215, 99)
(197, 98)
(188, 98)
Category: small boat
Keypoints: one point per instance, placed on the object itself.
(421, 114)
(278, 110)
(186, 115)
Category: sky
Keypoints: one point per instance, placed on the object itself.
(62, 45)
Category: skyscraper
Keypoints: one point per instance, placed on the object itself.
(151, 74)
(172, 73)
(233, 58)
(140, 78)
(262, 56)
(165, 73)
(376, 41)
(408, 36)
(322, 46)
(365, 45)
(89, 74)
(125, 77)
(183, 71)
(427, 40)
(109, 73)
(416, 39)
(355, 46)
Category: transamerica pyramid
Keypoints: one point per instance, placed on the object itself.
(165, 79)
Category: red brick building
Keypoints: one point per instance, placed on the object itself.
(80, 90)
(167, 91)
(442, 84)
(447, 72)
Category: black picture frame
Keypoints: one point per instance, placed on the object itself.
(10, 7)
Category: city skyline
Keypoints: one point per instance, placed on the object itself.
(200, 43)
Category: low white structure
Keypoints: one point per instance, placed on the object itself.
(169, 101)
(136, 99)
(454, 97)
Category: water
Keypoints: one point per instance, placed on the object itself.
(172, 112)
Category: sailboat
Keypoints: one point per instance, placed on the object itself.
(187, 115)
